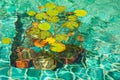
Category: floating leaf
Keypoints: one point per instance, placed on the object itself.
(50, 5)
(44, 26)
(41, 16)
(31, 13)
(6, 40)
(61, 37)
(45, 34)
(80, 12)
(72, 18)
(57, 47)
(53, 19)
(33, 32)
(40, 43)
(60, 8)
(52, 12)
(70, 24)
(50, 40)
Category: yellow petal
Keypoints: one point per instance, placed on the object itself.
(50, 5)
(44, 26)
(80, 12)
(31, 13)
(58, 47)
(6, 40)
(50, 40)
(52, 12)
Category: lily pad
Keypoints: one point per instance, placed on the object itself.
(33, 32)
(44, 26)
(53, 19)
(50, 40)
(61, 37)
(41, 16)
(60, 8)
(70, 24)
(40, 43)
(31, 13)
(52, 12)
(80, 12)
(50, 5)
(45, 34)
(57, 47)
(72, 18)
(6, 40)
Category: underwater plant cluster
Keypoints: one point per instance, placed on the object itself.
(52, 38)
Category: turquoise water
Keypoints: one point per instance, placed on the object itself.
(101, 29)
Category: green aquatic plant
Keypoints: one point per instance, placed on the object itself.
(53, 27)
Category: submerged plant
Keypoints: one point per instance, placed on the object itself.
(53, 27)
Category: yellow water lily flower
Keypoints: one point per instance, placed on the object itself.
(53, 19)
(61, 37)
(50, 5)
(41, 16)
(50, 40)
(70, 24)
(72, 18)
(57, 47)
(52, 12)
(60, 8)
(44, 26)
(6, 40)
(31, 13)
(80, 12)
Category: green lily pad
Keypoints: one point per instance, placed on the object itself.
(61, 37)
(45, 34)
